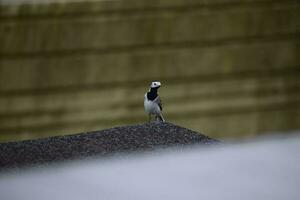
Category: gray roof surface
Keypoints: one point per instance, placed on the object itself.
(101, 143)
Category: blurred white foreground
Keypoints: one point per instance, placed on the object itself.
(255, 171)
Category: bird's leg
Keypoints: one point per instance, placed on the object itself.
(156, 118)
(161, 117)
(149, 120)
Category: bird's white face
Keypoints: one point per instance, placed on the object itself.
(155, 84)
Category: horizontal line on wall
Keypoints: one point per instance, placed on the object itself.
(292, 106)
(284, 72)
(84, 11)
(288, 92)
(152, 47)
(135, 105)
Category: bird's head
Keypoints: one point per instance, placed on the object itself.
(155, 84)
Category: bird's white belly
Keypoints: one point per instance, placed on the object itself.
(151, 108)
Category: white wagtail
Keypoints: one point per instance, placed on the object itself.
(152, 103)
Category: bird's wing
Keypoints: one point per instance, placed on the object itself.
(158, 101)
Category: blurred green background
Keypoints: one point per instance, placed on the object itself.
(229, 68)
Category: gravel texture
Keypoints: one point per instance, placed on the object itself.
(105, 142)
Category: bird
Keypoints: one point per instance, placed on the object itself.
(152, 102)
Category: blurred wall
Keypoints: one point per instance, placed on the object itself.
(229, 68)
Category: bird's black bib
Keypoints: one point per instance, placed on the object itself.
(152, 94)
